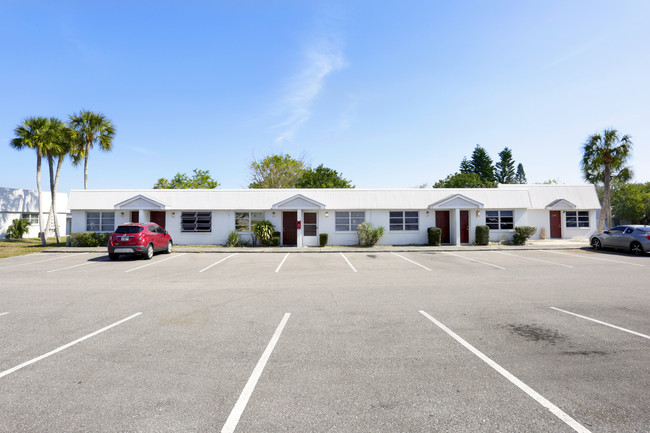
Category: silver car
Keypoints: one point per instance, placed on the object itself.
(633, 238)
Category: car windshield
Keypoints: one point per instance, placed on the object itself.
(129, 229)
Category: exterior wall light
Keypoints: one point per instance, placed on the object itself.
(327, 214)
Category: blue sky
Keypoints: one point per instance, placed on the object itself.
(390, 94)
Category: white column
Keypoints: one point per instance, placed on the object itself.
(299, 234)
(141, 217)
(457, 227)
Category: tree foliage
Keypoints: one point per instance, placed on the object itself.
(505, 168)
(200, 180)
(520, 176)
(322, 177)
(91, 129)
(464, 180)
(631, 203)
(481, 164)
(604, 160)
(276, 171)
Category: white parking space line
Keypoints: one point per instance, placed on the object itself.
(2, 314)
(282, 262)
(602, 323)
(530, 258)
(575, 425)
(348, 262)
(415, 263)
(41, 261)
(214, 264)
(70, 267)
(59, 349)
(155, 263)
(593, 258)
(473, 260)
(235, 414)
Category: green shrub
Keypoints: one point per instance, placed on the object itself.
(89, 239)
(17, 229)
(368, 235)
(275, 241)
(233, 240)
(522, 233)
(263, 231)
(435, 236)
(482, 235)
(323, 238)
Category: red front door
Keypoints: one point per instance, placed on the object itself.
(289, 228)
(464, 227)
(442, 222)
(556, 224)
(158, 218)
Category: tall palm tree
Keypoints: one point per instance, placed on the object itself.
(32, 134)
(91, 128)
(59, 145)
(604, 160)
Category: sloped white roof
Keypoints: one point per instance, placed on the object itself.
(503, 197)
(582, 196)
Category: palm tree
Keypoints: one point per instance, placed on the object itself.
(604, 160)
(32, 134)
(91, 128)
(59, 145)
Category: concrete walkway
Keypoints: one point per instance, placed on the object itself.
(547, 244)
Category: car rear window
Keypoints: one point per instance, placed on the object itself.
(129, 229)
(644, 229)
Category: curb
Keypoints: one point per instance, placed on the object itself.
(312, 250)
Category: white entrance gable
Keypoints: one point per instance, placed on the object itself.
(298, 201)
(141, 202)
(456, 201)
(560, 204)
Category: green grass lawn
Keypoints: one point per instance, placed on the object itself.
(19, 247)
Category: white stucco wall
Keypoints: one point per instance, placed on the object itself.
(16, 202)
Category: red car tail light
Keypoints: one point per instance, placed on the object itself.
(648, 236)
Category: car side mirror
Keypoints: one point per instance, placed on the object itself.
(606, 232)
(165, 231)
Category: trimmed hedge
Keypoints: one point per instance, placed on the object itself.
(482, 235)
(323, 238)
(522, 233)
(88, 239)
(275, 241)
(435, 236)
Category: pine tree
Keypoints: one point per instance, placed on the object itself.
(482, 164)
(466, 166)
(520, 177)
(505, 168)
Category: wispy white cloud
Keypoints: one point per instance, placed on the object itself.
(321, 59)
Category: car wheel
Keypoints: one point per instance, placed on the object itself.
(636, 248)
(148, 253)
(595, 243)
(113, 256)
(169, 247)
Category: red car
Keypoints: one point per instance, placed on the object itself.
(139, 238)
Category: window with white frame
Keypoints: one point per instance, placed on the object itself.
(404, 221)
(349, 221)
(577, 218)
(32, 218)
(244, 220)
(100, 221)
(500, 219)
(196, 221)
(311, 226)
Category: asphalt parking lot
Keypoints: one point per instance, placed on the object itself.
(461, 341)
